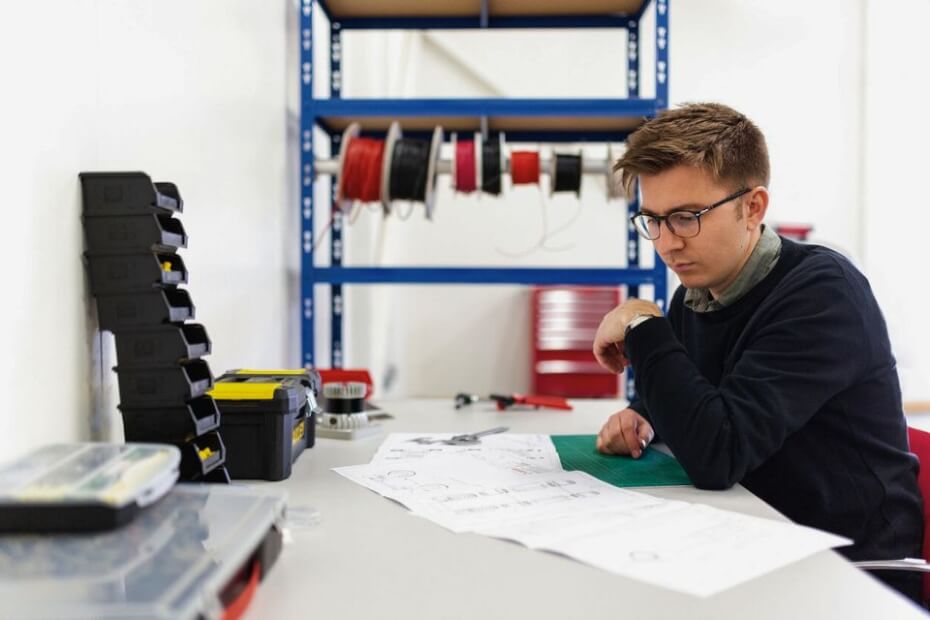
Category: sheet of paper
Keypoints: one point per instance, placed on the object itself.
(696, 549)
(462, 494)
(406, 480)
(501, 488)
(518, 502)
(549, 530)
(522, 453)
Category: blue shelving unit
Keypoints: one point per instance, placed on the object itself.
(557, 120)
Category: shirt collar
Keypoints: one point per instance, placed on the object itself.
(761, 261)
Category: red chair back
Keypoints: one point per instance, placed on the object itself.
(920, 445)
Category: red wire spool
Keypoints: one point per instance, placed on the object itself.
(524, 167)
(361, 172)
(466, 180)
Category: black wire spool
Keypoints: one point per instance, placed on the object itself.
(491, 166)
(566, 173)
(409, 169)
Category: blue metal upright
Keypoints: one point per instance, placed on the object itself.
(336, 245)
(615, 117)
(307, 123)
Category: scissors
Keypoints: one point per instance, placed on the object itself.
(466, 439)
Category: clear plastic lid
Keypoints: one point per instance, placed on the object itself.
(171, 561)
(115, 475)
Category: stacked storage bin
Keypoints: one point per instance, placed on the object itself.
(132, 240)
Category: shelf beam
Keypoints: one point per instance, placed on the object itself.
(486, 275)
(506, 107)
(498, 22)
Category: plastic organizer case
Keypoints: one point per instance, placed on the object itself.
(187, 557)
(144, 309)
(265, 425)
(161, 344)
(120, 273)
(170, 424)
(127, 193)
(127, 234)
(164, 385)
(83, 486)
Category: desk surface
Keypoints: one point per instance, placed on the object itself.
(369, 558)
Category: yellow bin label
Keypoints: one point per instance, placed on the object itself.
(299, 431)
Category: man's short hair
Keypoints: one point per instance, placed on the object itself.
(708, 135)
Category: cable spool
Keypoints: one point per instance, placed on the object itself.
(359, 173)
(492, 165)
(566, 173)
(614, 188)
(392, 135)
(479, 145)
(432, 172)
(411, 168)
(464, 165)
(524, 167)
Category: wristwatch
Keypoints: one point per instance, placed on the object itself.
(637, 320)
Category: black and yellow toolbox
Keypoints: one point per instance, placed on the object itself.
(265, 424)
(310, 379)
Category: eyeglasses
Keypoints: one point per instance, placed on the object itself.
(681, 223)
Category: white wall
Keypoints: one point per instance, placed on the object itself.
(191, 92)
(794, 67)
(897, 135)
(196, 93)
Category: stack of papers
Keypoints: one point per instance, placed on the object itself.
(513, 487)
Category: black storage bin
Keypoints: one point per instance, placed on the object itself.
(218, 475)
(144, 309)
(310, 379)
(161, 345)
(128, 234)
(170, 424)
(201, 455)
(157, 386)
(121, 273)
(127, 193)
(264, 425)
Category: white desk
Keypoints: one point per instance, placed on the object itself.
(369, 558)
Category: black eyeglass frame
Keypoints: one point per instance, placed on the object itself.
(697, 215)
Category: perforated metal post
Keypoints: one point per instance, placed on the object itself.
(337, 303)
(633, 260)
(307, 121)
(661, 54)
(662, 69)
(632, 242)
(632, 58)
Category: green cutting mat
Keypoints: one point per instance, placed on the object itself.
(652, 469)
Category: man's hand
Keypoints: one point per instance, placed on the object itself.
(625, 432)
(608, 342)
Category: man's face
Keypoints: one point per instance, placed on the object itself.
(714, 257)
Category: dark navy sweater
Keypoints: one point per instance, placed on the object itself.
(791, 391)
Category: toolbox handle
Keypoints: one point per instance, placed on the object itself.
(243, 597)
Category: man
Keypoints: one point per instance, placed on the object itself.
(773, 367)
